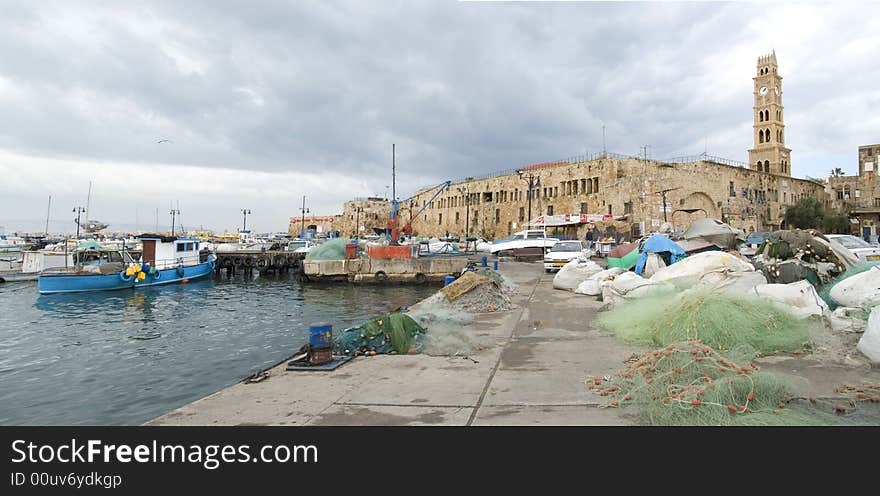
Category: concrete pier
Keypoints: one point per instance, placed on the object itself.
(544, 350)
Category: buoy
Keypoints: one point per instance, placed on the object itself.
(185, 281)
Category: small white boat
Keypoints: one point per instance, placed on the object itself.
(300, 246)
(531, 238)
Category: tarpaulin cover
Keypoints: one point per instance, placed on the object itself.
(624, 256)
(714, 231)
(659, 244)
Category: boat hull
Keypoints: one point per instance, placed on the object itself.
(74, 283)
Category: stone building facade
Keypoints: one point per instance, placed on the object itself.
(860, 195)
(369, 214)
(627, 191)
(319, 224)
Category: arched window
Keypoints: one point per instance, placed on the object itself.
(761, 136)
(758, 166)
(760, 116)
(766, 115)
(766, 166)
(767, 135)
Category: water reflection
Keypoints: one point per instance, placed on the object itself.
(123, 357)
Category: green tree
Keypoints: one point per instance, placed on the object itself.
(809, 213)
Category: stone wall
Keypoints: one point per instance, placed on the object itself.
(627, 189)
(326, 223)
(375, 213)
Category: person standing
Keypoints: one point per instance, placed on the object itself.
(589, 238)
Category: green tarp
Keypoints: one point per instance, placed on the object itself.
(625, 262)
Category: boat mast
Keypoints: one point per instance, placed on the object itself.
(88, 202)
(48, 210)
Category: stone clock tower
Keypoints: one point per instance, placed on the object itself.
(769, 153)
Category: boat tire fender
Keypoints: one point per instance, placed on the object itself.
(157, 275)
(125, 278)
(381, 276)
(180, 271)
(248, 262)
(421, 278)
(237, 261)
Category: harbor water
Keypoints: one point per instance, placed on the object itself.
(125, 357)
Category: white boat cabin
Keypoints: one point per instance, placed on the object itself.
(169, 252)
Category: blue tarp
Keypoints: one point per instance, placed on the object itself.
(659, 243)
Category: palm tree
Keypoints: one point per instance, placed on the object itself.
(836, 172)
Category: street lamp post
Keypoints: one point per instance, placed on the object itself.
(79, 211)
(304, 211)
(530, 179)
(174, 213)
(245, 212)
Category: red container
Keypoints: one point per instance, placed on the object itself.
(351, 251)
(389, 251)
(318, 356)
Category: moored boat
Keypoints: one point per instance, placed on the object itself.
(164, 260)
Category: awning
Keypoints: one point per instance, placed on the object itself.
(568, 219)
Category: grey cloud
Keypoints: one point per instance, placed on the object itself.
(461, 88)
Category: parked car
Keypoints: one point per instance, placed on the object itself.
(753, 242)
(563, 252)
(533, 238)
(859, 247)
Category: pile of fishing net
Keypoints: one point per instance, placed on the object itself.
(690, 383)
(477, 293)
(391, 333)
(446, 329)
(722, 321)
(790, 256)
(333, 249)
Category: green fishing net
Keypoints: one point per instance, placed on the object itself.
(721, 321)
(393, 332)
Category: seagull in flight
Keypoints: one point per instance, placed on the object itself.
(165, 141)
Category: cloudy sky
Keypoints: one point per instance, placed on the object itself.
(267, 101)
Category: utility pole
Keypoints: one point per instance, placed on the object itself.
(393, 173)
(662, 193)
(532, 185)
(467, 211)
(357, 221)
(244, 212)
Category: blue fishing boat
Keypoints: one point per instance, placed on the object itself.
(163, 260)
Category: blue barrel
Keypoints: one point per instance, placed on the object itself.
(495, 265)
(320, 335)
(485, 262)
(448, 280)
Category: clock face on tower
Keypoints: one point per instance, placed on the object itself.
(763, 90)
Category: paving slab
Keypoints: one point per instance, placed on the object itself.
(567, 415)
